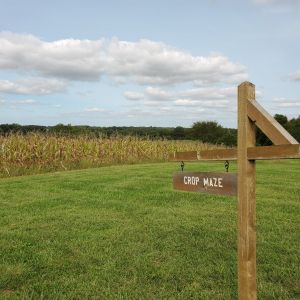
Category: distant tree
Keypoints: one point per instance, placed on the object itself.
(262, 139)
(208, 132)
(293, 127)
(178, 133)
(281, 119)
(229, 137)
(188, 133)
(10, 128)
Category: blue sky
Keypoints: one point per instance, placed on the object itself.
(145, 63)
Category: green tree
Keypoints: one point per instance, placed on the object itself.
(293, 127)
(178, 133)
(281, 119)
(290, 126)
(229, 137)
(208, 132)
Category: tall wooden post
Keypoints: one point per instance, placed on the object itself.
(250, 116)
(246, 197)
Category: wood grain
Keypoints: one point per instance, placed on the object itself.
(264, 152)
(218, 183)
(274, 152)
(246, 197)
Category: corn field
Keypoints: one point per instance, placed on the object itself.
(37, 153)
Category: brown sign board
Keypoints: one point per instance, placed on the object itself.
(206, 182)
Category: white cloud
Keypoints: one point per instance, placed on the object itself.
(157, 94)
(286, 102)
(133, 95)
(295, 76)
(26, 101)
(278, 5)
(176, 83)
(143, 62)
(186, 102)
(201, 103)
(71, 59)
(277, 2)
(215, 93)
(200, 97)
(289, 104)
(94, 110)
(15, 103)
(148, 62)
(146, 116)
(32, 86)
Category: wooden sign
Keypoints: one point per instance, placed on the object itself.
(206, 182)
(250, 116)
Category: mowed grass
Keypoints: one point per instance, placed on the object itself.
(121, 232)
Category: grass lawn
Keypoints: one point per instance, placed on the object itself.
(121, 232)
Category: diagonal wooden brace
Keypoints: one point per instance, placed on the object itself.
(268, 125)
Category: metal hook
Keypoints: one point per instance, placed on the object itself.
(226, 165)
(182, 165)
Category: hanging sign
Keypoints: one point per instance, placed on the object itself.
(206, 182)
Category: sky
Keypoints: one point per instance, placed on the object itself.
(146, 63)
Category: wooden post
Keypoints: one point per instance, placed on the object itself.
(250, 115)
(246, 197)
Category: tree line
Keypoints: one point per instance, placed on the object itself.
(205, 131)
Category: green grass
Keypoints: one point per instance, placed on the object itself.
(121, 232)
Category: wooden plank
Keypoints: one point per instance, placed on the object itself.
(260, 153)
(215, 154)
(268, 125)
(186, 156)
(274, 152)
(246, 197)
(206, 182)
(218, 154)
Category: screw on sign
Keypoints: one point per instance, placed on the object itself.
(250, 116)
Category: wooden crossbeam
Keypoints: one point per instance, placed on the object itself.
(218, 154)
(187, 155)
(260, 153)
(268, 125)
(274, 152)
(215, 154)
